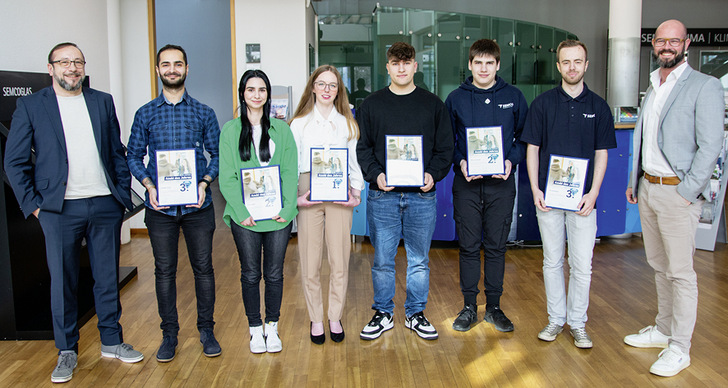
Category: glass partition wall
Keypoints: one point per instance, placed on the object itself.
(357, 44)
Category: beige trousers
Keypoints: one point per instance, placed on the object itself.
(668, 231)
(318, 223)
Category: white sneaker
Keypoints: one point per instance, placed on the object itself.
(670, 362)
(648, 337)
(257, 342)
(272, 341)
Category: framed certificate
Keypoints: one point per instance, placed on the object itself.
(565, 182)
(485, 151)
(404, 165)
(329, 174)
(262, 191)
(176, 177)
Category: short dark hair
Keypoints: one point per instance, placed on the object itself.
(571, 43)
(172, 47)
(484, 47)
(60, 46)
(401, 51)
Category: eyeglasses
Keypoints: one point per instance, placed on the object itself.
(67, 63)
(674, 42)
(324, 85)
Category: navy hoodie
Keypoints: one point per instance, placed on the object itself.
(502, 104)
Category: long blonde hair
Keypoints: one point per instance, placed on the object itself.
(341, 102)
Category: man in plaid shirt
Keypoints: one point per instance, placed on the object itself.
(176, 121)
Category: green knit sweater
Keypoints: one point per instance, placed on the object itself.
(285, 156)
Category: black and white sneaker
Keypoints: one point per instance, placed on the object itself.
(380, 323)
(420, 325)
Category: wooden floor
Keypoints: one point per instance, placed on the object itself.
(622, 302)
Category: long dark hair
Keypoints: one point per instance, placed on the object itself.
(246, 134)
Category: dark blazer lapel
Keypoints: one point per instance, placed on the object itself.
(674, 93)
(92, 104)
(51, 106)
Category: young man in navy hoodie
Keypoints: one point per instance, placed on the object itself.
(484, 204)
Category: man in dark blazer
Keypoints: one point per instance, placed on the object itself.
(677, 140)
(77, 188)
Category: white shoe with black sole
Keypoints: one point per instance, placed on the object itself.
(380, 323)
(420, 325)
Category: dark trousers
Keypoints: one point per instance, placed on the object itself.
(273, 246)
(198, 228)
(483, 211)
(98, 220)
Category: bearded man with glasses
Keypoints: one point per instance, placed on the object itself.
(677, 140)
(77, 189)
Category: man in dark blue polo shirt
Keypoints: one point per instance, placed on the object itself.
(572, 121)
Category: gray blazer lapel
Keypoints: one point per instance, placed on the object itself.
(54, 114)
(674, 93)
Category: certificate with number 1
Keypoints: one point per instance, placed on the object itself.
(176, 177)
(329, 174)
(262, 191)
(485, 151)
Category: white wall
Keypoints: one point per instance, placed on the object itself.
(280, 27)
(136, 74)
(30, 29)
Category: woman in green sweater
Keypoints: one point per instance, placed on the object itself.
(251, 141)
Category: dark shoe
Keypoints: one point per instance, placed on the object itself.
(210, 346)
(466, 317)
(167, 349)
(494, 315)
(318, 339)
(336, 337)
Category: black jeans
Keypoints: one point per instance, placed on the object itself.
(482, 212)
(273, 246)
(198, 228)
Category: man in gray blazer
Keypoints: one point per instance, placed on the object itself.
(677, 140)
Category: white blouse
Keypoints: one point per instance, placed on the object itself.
(315, 131)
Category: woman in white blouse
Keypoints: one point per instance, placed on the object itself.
(323, 119)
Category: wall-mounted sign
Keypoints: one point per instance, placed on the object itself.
(699, 37)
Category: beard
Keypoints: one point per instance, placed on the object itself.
(174, 84)
(65, 85)
(668, 64)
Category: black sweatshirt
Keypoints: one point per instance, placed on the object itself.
(417, 113)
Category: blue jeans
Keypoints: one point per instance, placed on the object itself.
(249, 246)
(198, 228)
(392, 215)
(555, 225)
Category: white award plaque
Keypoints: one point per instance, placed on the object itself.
(262, 191)
(329, 174)
(176, 177)
(485, 151)
(404, 166)
(565, 182)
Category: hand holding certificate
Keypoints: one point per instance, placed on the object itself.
(329, 174)
(176, 177)
(565, 182)
(404, 164)
(485, 151)
(261, 187)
